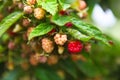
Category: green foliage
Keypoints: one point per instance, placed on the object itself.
(52, 7)
(90, 30)
(95, 63)
(83, 27)
(7, 22)
(64, 5)
(40, 30)
(78, 35)
(60, 20)
(49, 5)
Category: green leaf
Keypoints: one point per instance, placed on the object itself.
(50, 6)
(64, 5)
(78, 35)
(60, 20)
(9, 21)
(70, 1)
(39, 2)
(69, 67)
(90, 30)
(40, 30)
(83, 27)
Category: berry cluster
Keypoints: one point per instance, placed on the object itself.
(49, 47)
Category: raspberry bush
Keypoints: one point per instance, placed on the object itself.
(47, 40)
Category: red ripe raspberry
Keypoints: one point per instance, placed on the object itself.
(11, 33)
(62, 12)
(51, 32)
(69, 24)
(75, 46)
